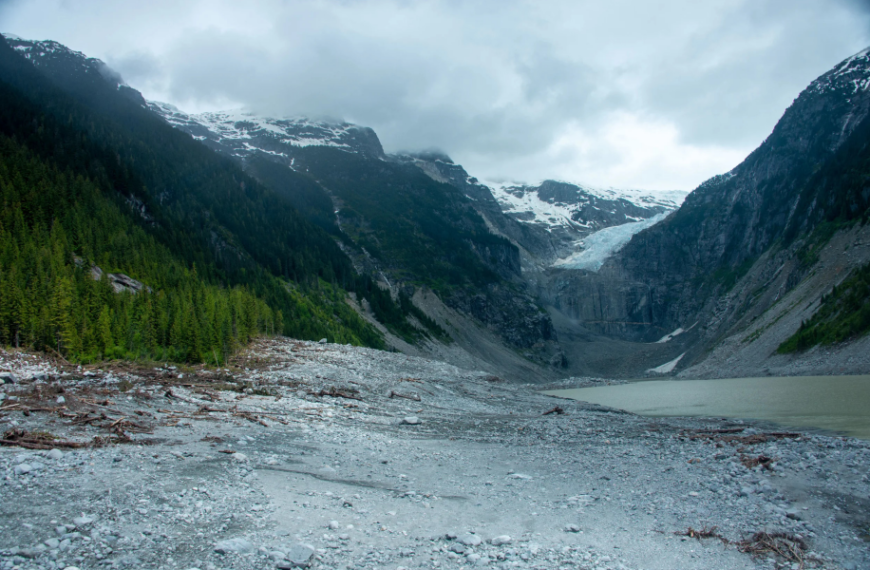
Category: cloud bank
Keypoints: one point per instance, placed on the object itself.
(626, 93)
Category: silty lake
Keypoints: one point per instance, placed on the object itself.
(836, 403)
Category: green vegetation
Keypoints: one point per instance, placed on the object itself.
(91, 177)
(48, 298)
(844, 314)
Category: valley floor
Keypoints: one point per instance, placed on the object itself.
(337, 457)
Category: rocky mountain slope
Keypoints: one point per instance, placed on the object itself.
(742, 241)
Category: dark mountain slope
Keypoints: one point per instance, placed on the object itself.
(202, 207)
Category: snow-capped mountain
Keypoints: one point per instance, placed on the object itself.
(240, 133)
(554, 204)
(568, 212)
(563, 215)
(849, 77)
(559, 216)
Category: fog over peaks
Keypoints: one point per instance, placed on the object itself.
(624, 93)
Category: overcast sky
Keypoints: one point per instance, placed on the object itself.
(623, 93)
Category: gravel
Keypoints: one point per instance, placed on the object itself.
(272, 475)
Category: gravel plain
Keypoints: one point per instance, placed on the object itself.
(318, 455)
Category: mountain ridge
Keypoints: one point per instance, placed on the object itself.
(507, 255)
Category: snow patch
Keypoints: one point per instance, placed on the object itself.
(670, 336)
(667, 366)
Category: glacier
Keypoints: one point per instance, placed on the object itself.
(597, 247)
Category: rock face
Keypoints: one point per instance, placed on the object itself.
(755, 221)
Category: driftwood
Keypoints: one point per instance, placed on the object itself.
(21, 438)
(555, 410)
(785, 545)
(337, 393)
(251, 418)
(414, 397)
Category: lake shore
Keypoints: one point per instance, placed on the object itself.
(338, 457)
(836, 405)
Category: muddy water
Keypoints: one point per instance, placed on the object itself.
(836, 403)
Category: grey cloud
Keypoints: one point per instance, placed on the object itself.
(500, 86)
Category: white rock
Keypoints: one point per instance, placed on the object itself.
(500, 540)
(470, 539)
(237, 544)
(22, 468)
(572, 528)
(240, 457)
(519, 476)
(83, 520)
(55, 454)
(61, 400)
(411, 421)
(333, 525)
(300, 555)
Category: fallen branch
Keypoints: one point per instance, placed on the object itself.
(785, 545)
(251, 418)
(414, 397)
(337, 393)
(703, 533)
(21, 438)
(555, 410)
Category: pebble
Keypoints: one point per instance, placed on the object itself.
(411, 421)
(55, 454)
(500, 540)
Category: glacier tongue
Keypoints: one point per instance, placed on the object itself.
(604, 243)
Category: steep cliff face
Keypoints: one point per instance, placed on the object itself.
(715, 259)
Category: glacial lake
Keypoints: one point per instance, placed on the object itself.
(834, 403)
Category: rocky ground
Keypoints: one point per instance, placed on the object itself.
(306, 454)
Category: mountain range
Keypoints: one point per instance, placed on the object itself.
(328, 235)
